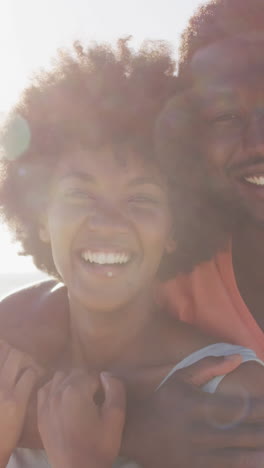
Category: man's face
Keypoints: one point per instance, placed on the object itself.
(228, 94)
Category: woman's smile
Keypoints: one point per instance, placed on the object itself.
(108, 222)
(105, 262)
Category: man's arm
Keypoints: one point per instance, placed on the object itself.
(170, 428)
(182, 426)
(35, 320)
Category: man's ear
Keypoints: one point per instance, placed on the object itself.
(43, 230)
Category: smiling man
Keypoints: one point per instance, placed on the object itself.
(222, 69)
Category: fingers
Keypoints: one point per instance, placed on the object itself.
(12, 366)
(57, 383)
(254, 408)
(229, 458)
(45, 392)
(229, 409)
(88, 383)
(18, 372)
(114, 406)
(16, 360)
(215, 410)
(64, 386)
(249, 436)
(206, 369)
(4, 350)
(113, 410)
(25, 385)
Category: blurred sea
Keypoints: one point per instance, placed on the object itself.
(11, 281)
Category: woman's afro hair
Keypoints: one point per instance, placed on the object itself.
(91, 97)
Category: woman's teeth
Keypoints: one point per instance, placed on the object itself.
(256, 180)
(104, 258)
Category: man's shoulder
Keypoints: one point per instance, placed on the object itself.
(30, 298)
(35, 318)
(184, 284)
(189, 295)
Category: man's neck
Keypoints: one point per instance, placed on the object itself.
(248, 262)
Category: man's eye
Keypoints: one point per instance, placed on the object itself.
(230, 117)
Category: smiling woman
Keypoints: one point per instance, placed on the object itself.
(122, 116)
(88, 198)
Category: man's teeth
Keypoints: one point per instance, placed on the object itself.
(104, 258)
(256, 180)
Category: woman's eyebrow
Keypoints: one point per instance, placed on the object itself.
(145, 181)
(86, 177)
(83, 176)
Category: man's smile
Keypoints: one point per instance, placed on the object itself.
(250, 176)
(255, 180)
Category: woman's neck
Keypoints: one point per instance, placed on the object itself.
(107, 340)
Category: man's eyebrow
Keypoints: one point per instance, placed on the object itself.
(223, 95)
(83, 176)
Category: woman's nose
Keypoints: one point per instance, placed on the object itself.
(106, 219)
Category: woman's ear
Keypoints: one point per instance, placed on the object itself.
(171, 246)
(43, 230)
(167, 266)
(171, 242)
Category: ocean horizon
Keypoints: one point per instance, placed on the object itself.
(11, 281)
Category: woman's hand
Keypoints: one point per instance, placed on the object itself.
(75, 430)
(18, 375)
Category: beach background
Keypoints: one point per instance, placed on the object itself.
(12, 281)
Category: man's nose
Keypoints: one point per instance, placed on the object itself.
(254, 133)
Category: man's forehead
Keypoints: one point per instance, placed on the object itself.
(238, 58)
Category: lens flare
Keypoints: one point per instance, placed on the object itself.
(15, 137)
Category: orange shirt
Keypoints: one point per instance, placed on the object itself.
(209, 299)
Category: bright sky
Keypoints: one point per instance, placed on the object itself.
(32, 30)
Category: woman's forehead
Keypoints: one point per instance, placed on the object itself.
(107, 161)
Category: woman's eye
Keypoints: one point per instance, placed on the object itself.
(143, 199)
(79, 194)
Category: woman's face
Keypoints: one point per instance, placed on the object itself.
(108, 223)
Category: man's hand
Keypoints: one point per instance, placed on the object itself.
(181, 426)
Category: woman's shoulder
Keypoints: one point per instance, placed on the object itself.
(35, 319)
